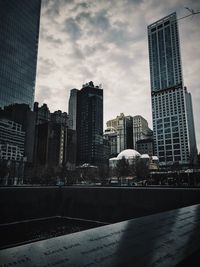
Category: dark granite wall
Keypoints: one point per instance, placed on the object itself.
(21, 203)
(117, 204)
(101, 204)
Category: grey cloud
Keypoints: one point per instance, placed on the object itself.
(86, 72)
(72, 29)
(52, 8)
(91, 50)
(76, 54)
(120, 24)
(124, 61)
(49, 38)
(80, 7)
(82, 70)
(46, 66)
(98, 20)
(135, 2)
(83, 16)
(44, 94)
(121, 34)
(118, 36)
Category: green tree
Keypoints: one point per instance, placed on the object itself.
(122, 168)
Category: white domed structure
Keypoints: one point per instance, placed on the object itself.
(128, 154)
(155, 158)
(154, 163)
(145, 156)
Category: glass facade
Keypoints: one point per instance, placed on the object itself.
(90, 125)
(164, 53)
(19, 30)
(173, 126)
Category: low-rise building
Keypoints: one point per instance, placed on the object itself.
(22, 114)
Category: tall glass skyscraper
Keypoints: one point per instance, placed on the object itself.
(86, 116)
(19, 30)
(173, 124)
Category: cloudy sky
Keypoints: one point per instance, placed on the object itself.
(106, 41)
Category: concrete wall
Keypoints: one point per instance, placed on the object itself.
(109, 204)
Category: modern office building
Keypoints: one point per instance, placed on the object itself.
(141, 130)
(124, 128)
(72, 109)
(173, 124)
(87, 117)
(19, 31)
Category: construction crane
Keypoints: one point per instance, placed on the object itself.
(192, 13)
(190, 10)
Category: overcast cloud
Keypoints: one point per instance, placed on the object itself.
(106, 42)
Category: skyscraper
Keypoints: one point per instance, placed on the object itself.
(86, 113)
(173, 124)
(19, 30)
(124, 128)
(72, 109)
